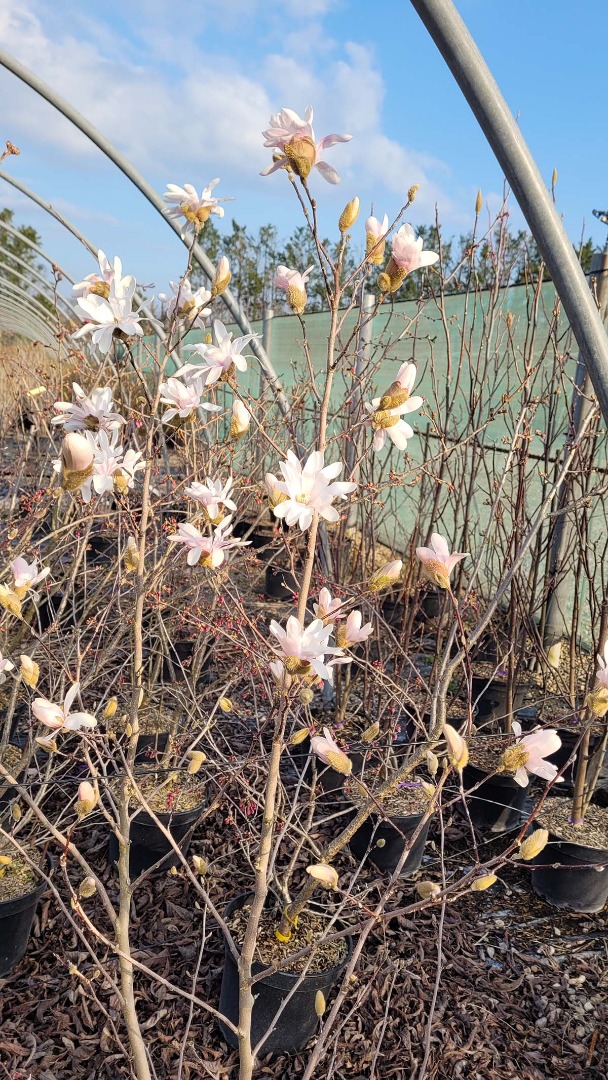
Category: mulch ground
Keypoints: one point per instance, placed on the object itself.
(523, 990)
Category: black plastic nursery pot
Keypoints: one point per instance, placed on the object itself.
(576, 880)
(382, 842)
(570, 749)
(181, 656)
(498, 803)
(298, 1020)
(393, 612)
(280, 584)
(490, 697)
(151, 745)
(102, 549)
(150, 846)
(16, 919)
(430, 605)
(329, 780)
(260, 537)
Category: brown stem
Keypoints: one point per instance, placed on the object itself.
(578, 799)
(246, 999)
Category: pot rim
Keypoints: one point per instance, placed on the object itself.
(291, 976)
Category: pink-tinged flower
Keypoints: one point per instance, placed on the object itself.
(109, 317)
(352, 632)
(407, 253)
(326, 748)
(386, 411)
(375, 239)
(213, 495)
(293, 284)
(5, 665)
(187, 303)
(286, 125)
(59, 717)
(437, 563)
(280, 675)
(99, 284)
(388, 422)
(183, 398)
(308, 489)
(208, 550)
(217, 361)
(328, 608)
(303, 651)
(529, 753)
(124, 476)
(293, 140)
(88, 412)
(601, 679)
(386, 575)
(26, 575)
(187, 203)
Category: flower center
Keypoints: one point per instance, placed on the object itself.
(382, 419)
(91, 422)
(514, 758)
(296, 666)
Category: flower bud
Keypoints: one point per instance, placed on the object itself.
(121, 482)
(200, 865)
(87, 799)
(413, 191)
(130, 556)
(110, 709)
(76, 461)
(87, 887)
(240, 420)
(225, 704)
(554, 655)
(197, 758)
(301, 153)
(483, 882)
(427, 889)
(385, 576)
(597, 701)
(324, 874)
(306, 695)
(534, 844)
(16, 812)
(349, 215)
(478, 203)
(458, 751)
(392, 277)
(299, 736)
(10, 601)
(428, 789)
(554, 175)
(29, 671)
(370, 733)
(432, 762)
(320, 1003)
(297, 299)
(274, 495)
(222, 278)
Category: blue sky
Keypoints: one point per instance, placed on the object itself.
(185, 90)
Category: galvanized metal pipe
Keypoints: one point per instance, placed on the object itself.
(125, 166)
(472, 74)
